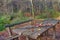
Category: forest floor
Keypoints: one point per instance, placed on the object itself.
(58, 18)
(5, 34)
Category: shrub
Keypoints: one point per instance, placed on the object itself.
(50, 13)
(3, 20)
(41, 16)
(54, 13)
